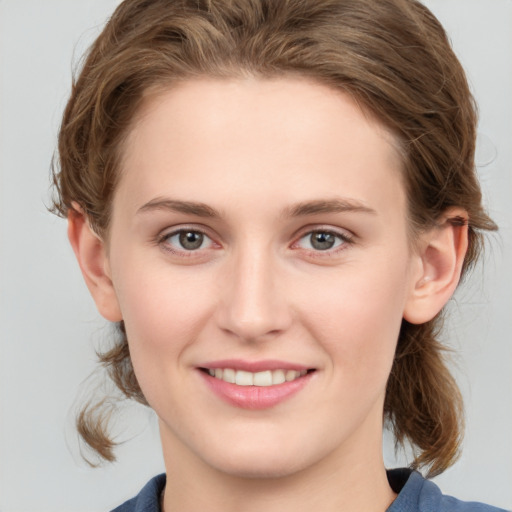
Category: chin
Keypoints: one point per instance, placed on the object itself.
(261, 471)
(260, 463)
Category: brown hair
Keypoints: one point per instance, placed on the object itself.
(392, 56)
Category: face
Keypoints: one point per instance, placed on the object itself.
(259, 256)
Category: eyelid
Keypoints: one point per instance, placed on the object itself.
(344, 235)
(166, 234)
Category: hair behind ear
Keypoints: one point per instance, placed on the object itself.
(423, 402)
(95, 416)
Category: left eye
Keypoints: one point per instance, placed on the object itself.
(322, 240)
(187, 240)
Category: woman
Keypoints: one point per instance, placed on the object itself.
(274, 201)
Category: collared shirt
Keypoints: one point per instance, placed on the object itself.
(415, 494)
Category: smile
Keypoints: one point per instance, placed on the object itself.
(263, 379)
(255, 385)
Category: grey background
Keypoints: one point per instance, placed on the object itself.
(49, 326)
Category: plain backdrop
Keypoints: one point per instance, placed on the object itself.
(49, 326)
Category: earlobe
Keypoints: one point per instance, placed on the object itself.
(438, 268)
(90, 252)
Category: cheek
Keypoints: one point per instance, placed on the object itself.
(154, 297)
(163, 312)
(357, 316)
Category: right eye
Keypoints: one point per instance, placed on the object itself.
(183, 241)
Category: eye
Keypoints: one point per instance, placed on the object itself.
(185, 240)
(323, 240)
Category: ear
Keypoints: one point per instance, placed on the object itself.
(438, 265)
(92, 257)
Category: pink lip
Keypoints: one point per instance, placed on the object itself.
(254, 366)
(254, 397)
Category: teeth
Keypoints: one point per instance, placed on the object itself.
(290, 375)
(263, 379)
(278, 377)
(242, 378)
(229, 375)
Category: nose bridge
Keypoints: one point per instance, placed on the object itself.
(253, 303)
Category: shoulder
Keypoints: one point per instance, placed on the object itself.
(148, 499)
(416, 494)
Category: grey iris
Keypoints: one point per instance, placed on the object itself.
(191, 240)
(322, 241)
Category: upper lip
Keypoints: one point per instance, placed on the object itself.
(254, 366)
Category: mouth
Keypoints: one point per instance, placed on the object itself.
(261, 379)
(256, 386)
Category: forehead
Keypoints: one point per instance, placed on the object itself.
(283, 138)
(255, 101)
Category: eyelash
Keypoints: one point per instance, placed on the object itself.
(163, 241)
(345, 238)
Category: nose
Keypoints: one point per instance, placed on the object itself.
(253, 303)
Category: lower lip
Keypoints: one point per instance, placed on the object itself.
(255, 397)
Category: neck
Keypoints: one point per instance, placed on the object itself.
(348, 482)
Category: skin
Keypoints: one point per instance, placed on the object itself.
(258, 288)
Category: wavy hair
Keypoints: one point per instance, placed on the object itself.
(392, 56)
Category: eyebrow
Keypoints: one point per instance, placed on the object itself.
(189, 207)
(327, 206)
(301, 209)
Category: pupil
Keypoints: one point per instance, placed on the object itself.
(322, 241)
(191, 240)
